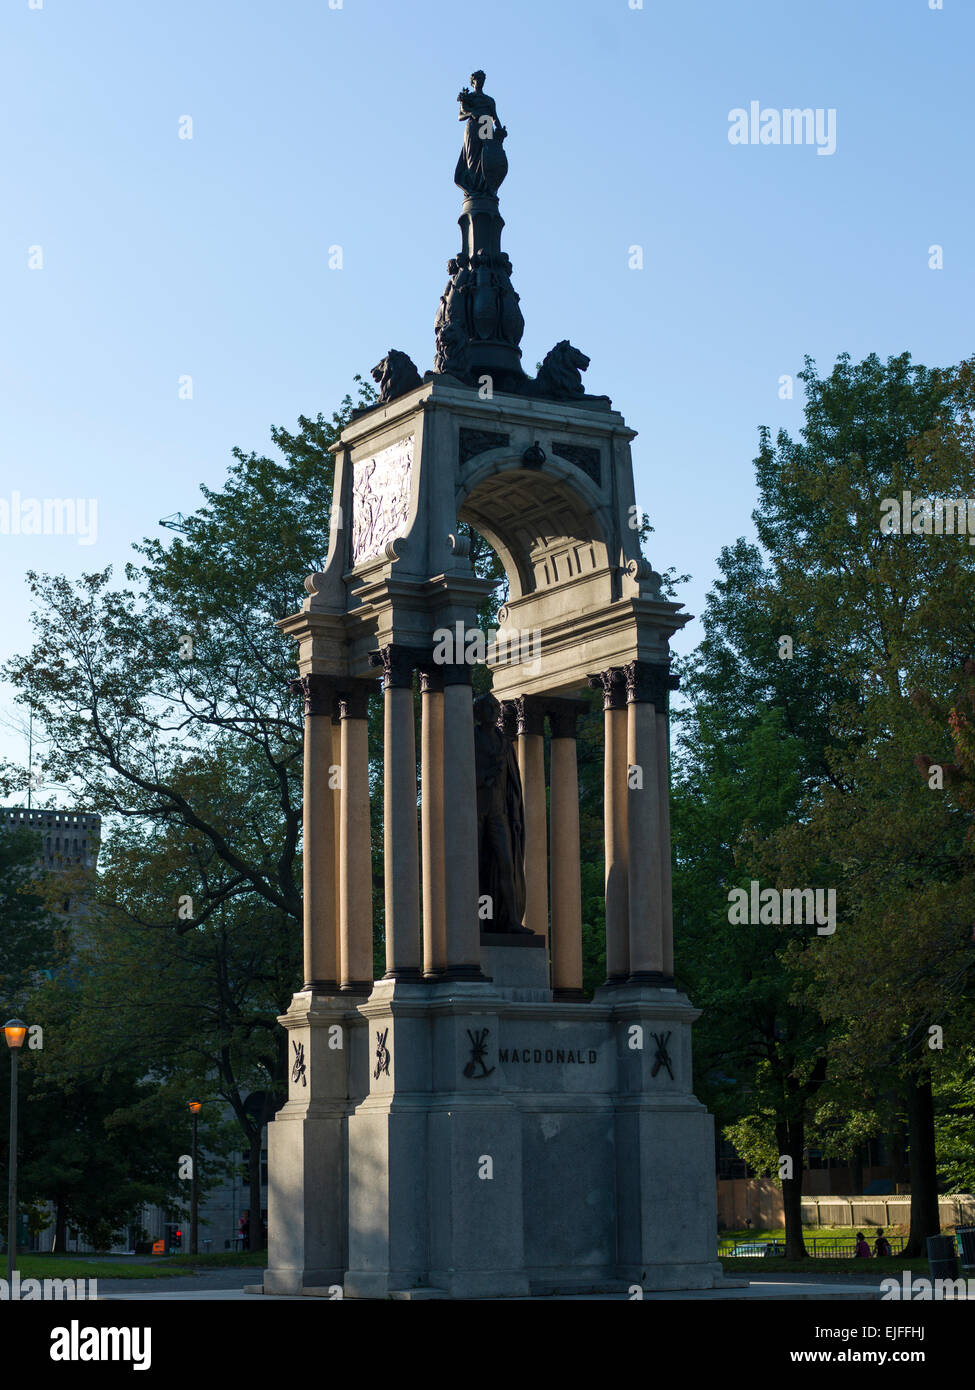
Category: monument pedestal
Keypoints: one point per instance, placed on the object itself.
(494, 1144)
(308, 1145)
(664, 1139)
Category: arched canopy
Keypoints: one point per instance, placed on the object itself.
(545, 527)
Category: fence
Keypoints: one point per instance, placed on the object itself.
(820, 1247)
(757, 1202)
(955, 1210)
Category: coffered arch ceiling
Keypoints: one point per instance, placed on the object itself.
(543, 528)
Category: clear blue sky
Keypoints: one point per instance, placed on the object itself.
(315, 126)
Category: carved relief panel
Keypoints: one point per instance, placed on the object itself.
(380, 498)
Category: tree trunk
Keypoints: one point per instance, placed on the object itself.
(60, 1226)
(925, 1216)
(790, 1137)
(255, 1237)
(858, 1172)
(898, 1151)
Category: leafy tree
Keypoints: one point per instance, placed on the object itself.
(97, 1146)
(887, 613)
(166, 706)
(28, 942)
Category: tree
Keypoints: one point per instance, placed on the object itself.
(96, 1142)
(888, 612)
(166, 706)
(197, 1008)
(140, 690)
(762, 1057)
(29, 939)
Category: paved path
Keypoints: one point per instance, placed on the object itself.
(227, 1285)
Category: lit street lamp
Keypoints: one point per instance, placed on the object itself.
(195, 1106)
(14, 1031)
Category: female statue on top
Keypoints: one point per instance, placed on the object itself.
(483, 164)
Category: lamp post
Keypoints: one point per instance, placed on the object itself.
(195, 1107)
(14, 1031)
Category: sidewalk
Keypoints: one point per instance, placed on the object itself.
(227, 1285)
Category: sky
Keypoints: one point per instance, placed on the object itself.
(132, 259)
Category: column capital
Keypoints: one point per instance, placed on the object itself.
(649, 682)
(353, 699)
(398, 663)
(530, 713)
(563, 714)
(612, 682)
(431, 679)
(318, 692)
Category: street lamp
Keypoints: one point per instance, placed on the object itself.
(195, 1107)
(14, 1031)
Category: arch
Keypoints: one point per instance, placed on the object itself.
(547, 525)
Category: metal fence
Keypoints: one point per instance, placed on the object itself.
(820, 1247)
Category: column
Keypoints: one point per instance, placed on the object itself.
(318, 837)
(666, 860)
(460, 826)
(432, 821)
(643, 824)
(612, 682)
(530, 713)
(564, 858)
(355, 843)
(335, 777)
(400, 842)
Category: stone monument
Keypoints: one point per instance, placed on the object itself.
(470, 1124)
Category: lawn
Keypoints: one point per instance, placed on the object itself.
(843, 1269)
(72, 1266)
(842, 1266)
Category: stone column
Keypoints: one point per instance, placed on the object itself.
(530, 714)
(355, 843)
(432, 820)
(336, 776)
(564, 858)
(318, 837)
(612, 682)
(400, 861)
(460, 826)
(644, 877)
(669, 683)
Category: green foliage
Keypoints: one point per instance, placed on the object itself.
(955, 1099)
(98, 1148)
(801, 771)
(28, 941)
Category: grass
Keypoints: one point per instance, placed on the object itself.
(778, 1233)
(843, 1269)
(70, 1266)
(220, 1259)
(89, 1267)
(841, 1266)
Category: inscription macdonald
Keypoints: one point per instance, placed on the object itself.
(563, 1056)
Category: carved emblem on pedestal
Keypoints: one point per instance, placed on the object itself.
(382, 1055)
(661, 1056)
(478, 1053)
